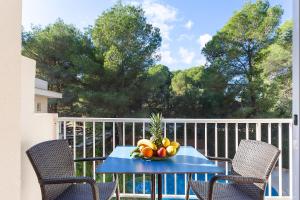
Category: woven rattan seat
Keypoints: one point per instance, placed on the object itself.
(83, 191)
(221, 191)
(54, 166)
(251, 168)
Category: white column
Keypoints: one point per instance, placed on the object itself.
(296, 100)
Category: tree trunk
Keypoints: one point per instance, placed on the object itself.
(251, 86)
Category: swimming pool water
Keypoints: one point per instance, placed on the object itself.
(180, 189)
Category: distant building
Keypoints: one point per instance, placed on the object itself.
(42, 94)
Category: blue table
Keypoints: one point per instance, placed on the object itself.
(187, 161)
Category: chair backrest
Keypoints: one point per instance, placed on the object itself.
(255, 159)
(52, 159)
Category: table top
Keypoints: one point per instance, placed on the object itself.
(187, 160)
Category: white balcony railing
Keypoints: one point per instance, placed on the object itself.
(213, 137)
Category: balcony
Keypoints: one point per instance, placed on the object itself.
(212, 137)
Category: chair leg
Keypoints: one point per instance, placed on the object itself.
(117, 193)
(117, 189)
(187, 194)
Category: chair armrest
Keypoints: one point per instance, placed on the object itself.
(219, 159)
(234, 178)
(89, 159)
(73, 180)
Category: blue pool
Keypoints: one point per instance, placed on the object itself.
(170, 185)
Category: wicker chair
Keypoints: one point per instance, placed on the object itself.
(250, 170)
(54, 166)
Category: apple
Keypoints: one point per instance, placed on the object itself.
(162, 152)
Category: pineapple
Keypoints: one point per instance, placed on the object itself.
(156, 129)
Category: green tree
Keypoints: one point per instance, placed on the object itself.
(126, 45)
(277, 67)
(201, 92)
(158, 84)
(60, 50)
(238, 49)
(187, 91)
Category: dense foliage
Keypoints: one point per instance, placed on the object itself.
(110, 69)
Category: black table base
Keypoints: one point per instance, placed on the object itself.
(153, 186)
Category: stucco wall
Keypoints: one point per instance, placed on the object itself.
(43, 101)
(10, 70)
(36, 127)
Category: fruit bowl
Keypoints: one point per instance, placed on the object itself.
(149, 151)
(157, 148)
(157, 158)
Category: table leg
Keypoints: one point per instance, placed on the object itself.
(159, 186)
(153, 186)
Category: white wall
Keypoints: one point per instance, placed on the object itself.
(10, 88)
(36, 127)
(20, 126)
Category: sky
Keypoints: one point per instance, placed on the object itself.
(185, 25)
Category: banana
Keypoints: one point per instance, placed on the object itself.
(148, 143)
(136, 150)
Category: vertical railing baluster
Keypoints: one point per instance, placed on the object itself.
(270, 142)
(114, 140)
(175, 131)
(84, 149)
(144, 178)
(247, 131)
(280, 157)
(114, 135)
(94, 150)
(185, 139)
(124, 187)
(195, 136)
(175, 175)
(216, 141)
(205, 146)
(133, 133)
(236, 136)
(196, 145)
(123, 133)
(165, 129)
(74, 144)
(144, 127)
(258, 131)
(165, 175)
(103, 144)
(185, 143)
(290, 160)
(133, 143)
(65, 130)
(226, 147)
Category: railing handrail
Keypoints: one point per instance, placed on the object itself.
(179, 120)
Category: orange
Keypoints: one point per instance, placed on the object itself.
(147, 152)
